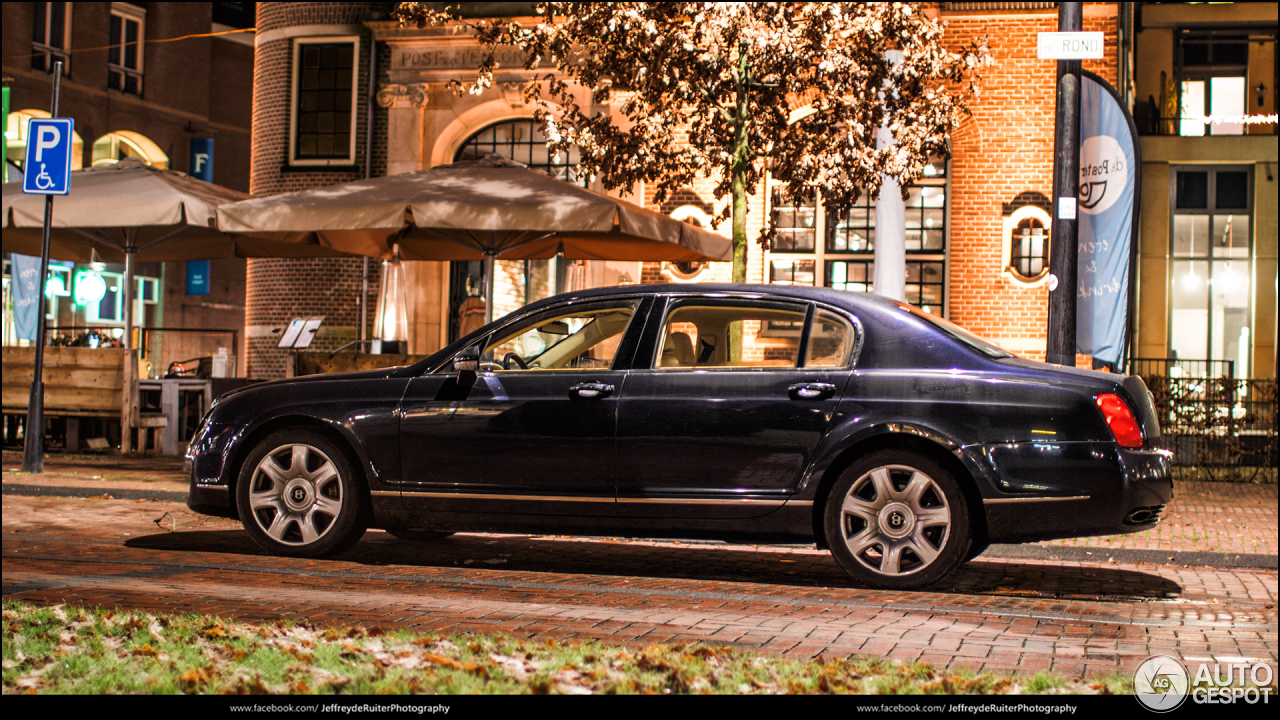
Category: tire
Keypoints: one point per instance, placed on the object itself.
(418, 535)
(299, 496)
(896, 519)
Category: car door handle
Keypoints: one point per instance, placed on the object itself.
(591, 390)
(811, 391)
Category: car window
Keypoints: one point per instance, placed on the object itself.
(560, 341)
(696, 336)
(830, 341)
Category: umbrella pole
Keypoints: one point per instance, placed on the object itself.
(488, 286)
(127, 293)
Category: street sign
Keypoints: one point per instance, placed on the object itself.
(1069, 46)
(48, 163)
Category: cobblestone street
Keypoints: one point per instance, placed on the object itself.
(119, 548)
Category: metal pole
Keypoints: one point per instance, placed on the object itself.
(33, 440)
(488, 285)
(130, 248)
(1060, 347)
(368, 172)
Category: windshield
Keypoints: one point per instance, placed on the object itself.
(973, 341)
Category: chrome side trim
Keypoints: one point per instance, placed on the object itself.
(569, 498)
(1005, 501)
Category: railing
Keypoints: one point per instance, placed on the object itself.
(1212, 420)
(1176, 368)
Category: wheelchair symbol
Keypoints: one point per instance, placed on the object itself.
(43, 181)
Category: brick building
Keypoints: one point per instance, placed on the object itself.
(140, 80)
(963, 216)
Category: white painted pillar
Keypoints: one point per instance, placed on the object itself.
(891, 231)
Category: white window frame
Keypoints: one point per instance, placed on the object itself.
(350, 159)
(125, 12)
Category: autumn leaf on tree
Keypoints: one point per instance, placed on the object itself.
(663, 93)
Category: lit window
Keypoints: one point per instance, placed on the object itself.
(51, 36)
(124, 58)
(114, 147)
(324, 101)
(1213, 88)
(1212, 266)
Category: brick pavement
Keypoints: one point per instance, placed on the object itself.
(999, 614)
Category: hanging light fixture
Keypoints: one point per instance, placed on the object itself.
(391, 324)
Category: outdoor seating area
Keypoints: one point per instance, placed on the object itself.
(91, 394)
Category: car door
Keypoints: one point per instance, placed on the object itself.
(707, 430)
(535, 432)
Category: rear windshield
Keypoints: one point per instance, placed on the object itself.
(957, 332)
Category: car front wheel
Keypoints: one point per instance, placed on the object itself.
(897, 519)
(298, 496)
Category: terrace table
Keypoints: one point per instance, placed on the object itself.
(173, 393)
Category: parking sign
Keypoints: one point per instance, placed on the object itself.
(48, 167)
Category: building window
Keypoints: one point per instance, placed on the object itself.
(516, 282)
(1026, 240)
(1213, 69)
(523, 141)
(51, 36)
(688, 271)
(1212, 266)
(124, 57)
(324, 101)
(811, 246)
(114, 147)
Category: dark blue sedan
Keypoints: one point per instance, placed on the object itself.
(898, 440)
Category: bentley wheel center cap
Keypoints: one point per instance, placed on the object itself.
(298, 495)
(897, 520)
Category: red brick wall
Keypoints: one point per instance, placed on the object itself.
(280, 289)
(1004, 149)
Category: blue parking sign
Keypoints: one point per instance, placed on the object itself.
(48, 167)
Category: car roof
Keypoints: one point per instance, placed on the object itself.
(848, 300)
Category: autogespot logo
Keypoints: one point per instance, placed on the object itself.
(1161, 683)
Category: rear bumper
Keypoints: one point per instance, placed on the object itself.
(1084, 489)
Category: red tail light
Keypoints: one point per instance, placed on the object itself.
(1120, 420)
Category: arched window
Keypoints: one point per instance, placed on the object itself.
(521, 140)
(116, 146)
(1027, 244)
(517, 282)
(16, 142)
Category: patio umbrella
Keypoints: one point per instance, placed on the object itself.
(127, 212)
(474, 210)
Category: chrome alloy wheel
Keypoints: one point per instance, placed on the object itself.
(895, 520)
(295, 494)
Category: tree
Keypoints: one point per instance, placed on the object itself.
(720, 90)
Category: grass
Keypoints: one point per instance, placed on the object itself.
(69, 650)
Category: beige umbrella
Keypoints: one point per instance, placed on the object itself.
(127, 212)
(473, 210)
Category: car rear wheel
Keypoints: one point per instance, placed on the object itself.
(298, 495)
(897, 519)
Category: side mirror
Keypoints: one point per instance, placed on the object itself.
(468, 360)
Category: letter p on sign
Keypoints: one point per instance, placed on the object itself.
(48, 161)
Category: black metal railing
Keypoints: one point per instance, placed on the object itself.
(1211, 419)
(1175, 367)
